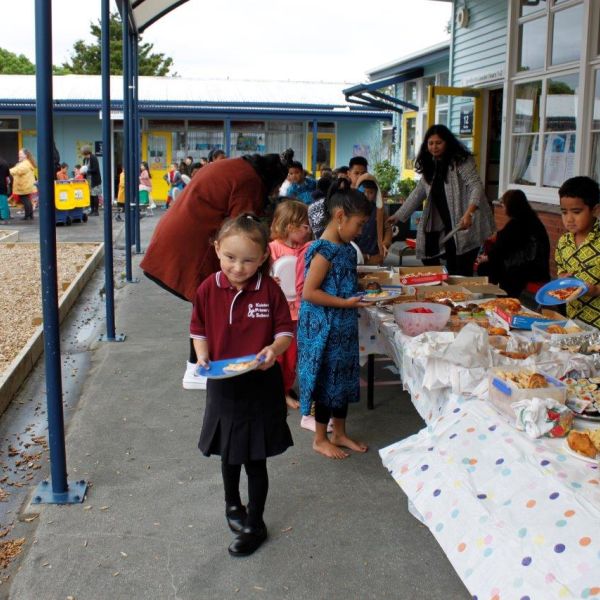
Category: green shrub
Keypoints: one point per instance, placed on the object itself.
(386, 174)
(406, 186)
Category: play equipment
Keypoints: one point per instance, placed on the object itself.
(70, 199)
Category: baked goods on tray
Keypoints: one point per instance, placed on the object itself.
(524, 379)
(511, 305)
(586, 443)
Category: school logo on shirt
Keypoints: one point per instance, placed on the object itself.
(260, 310)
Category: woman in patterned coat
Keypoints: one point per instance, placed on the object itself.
(453, 195)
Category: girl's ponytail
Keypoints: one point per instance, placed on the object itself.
(351, 201)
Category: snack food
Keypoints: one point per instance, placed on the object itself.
(516, 356)
(555, 329)
(240, 366)
(581, 442)
(565, 293)
(511, 305)
(448, 295)
(497, 331)
(372, 287)
(524, 379)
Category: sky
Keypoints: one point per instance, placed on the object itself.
(313, 40)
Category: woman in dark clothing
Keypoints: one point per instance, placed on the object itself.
(92, 174)
(521, 252)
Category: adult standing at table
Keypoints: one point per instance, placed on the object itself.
(91, 170)
(181, 253)
(23, 174)
(455, 198)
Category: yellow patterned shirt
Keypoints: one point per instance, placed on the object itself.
(584, 263)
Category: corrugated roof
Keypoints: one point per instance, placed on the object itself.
(176, 89)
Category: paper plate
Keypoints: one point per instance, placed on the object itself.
(390, 295)
(285, 269)
(587, 459)
(542, 296)
(218, 368)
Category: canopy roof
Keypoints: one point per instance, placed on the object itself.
(146, 12)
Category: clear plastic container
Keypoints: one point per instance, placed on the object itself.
(416, 323)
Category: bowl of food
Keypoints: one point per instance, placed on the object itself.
(415, 318)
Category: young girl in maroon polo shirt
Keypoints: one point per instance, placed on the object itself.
(237, 311)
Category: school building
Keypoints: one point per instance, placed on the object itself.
(189, 117)
(522, 91)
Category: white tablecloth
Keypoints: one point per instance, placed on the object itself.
(517, 518)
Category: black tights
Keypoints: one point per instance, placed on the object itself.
(258, 487)
(193, 356)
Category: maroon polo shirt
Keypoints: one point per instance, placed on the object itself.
(239, 322)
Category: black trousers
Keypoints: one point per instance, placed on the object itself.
(94, 204)
(27, 205)
(324, 413)
(258, 488)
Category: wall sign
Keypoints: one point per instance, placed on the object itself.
(98, 148)
(466, 120)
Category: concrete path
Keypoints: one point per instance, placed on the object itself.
(153, 524)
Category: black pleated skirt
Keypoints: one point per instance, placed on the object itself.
(245, 417)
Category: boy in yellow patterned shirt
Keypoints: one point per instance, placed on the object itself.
(578, 250)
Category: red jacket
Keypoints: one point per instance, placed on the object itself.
(181, 253)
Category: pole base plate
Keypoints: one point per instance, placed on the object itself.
(119, 337)
(75, 493)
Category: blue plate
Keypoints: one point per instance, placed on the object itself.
(218, 368)
(542, 296)
(390, 295)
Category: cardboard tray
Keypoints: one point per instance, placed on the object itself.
(424, 293)
(410, 275)
(522, 321)
(477, 285)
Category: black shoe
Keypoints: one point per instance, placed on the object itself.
(248, 541)
(236, 517)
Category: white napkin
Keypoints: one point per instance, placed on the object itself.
(531, 415)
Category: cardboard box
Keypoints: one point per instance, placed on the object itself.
(383, 278)
(425, 293)
(421, 275)
(503, 393)
(524, 320)
(477, 285)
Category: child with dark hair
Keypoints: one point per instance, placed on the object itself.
(357, 166)
(316, 211)
(63, 173)
(578, 250)
(328, 369)
(245, 416)
(521, 251)
(301, 187)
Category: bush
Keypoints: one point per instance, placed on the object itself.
(386, 174)
(405, 187)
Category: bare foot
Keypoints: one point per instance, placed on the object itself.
(292, 403)
(345, 442)
(326, 448)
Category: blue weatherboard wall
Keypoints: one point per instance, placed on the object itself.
(480, 47)
(350, 133)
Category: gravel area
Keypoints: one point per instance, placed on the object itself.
(20, 290)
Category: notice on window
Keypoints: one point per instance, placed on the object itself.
(559, 159)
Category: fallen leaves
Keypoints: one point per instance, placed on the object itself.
(9, 550)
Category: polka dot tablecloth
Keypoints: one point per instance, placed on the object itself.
(517, 518)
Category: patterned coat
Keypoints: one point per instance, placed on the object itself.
(463, 187)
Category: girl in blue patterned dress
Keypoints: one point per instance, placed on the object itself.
(328, 369)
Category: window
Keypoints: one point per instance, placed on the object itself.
(247, 137)
(549, 138)
(410, 92)
(442, 80)
(595, 166)
(426, 82)
(286, 134)
(7, 124)
(411, 140)
(549, 26)
(204, 136)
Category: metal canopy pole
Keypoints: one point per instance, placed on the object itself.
(136, 141)
(228, 137)
(109, 283)
(315, 131)
(133, 168)
(127, 141)
(59, 492)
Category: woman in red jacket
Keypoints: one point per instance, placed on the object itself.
(181, 252)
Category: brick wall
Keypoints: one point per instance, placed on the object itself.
(550, 217)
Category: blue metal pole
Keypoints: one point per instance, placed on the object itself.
(58, 492)
(228, 137)
(136, 128)
(127, 141)
(45, 137)
(133, 167)
(315, 132)
(109, 287)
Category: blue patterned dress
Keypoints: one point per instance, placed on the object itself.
(328, 369)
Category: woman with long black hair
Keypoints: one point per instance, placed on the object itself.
(454, 196)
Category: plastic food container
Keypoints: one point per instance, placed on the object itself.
(503, 393)
(416, 323)
(585, 331)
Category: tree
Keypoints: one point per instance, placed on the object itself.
(86, 58)
(15, 64)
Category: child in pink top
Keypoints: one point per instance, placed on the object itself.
(290, 234)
